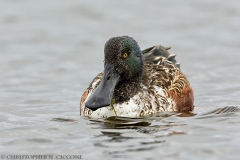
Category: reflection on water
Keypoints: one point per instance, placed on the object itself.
(122, 137)
(50, 51)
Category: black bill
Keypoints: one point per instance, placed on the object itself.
(102, 95)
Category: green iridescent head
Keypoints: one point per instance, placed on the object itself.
(123, 62)
(125, 54)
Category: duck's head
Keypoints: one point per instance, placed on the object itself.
(123, 62)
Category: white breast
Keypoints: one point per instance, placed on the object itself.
(141, 105)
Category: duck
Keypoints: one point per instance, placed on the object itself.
(136, 83)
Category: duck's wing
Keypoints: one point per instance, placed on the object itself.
(154, 54)
(172, 81)
(180, 91)
(161, 69)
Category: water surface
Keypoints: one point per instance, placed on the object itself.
(51, 50)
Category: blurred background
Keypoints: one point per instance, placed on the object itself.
(51, 50)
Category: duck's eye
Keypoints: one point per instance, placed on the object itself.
(125, 55)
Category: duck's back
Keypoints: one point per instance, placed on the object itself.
(167, 84)
(162, 70)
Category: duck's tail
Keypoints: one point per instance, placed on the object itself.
(155, 53)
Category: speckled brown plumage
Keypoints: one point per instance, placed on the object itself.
(181, 92)
(172, 80)
(83, 98)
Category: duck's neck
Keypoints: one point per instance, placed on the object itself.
(126, 89)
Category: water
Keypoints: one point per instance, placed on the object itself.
(51, 50)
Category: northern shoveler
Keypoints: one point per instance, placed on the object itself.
(136, 83)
